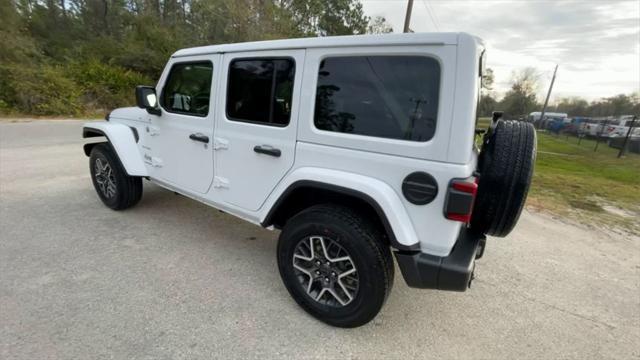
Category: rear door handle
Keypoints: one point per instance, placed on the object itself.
(267, 150)
(199, 137)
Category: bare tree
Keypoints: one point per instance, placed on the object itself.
(521, 98)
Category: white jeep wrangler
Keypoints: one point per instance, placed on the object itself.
(353, 146)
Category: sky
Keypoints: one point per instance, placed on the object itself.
(595, 43)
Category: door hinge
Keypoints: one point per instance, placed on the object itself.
(220, 143)
(156, 162)
(153, 131)
(220, 182)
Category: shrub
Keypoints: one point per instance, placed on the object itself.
(76, 89)
(103, 86)
(40, 90)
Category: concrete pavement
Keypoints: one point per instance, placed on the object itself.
(175, 279)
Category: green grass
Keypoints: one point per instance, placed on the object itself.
(572, 179)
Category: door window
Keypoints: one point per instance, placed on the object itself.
(260, 90)
(188, 88)
(392, 97)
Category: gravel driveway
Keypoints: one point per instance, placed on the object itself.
(173, 279)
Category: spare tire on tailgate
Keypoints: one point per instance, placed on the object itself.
(505, 165)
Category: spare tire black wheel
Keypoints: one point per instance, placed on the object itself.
(505, 165)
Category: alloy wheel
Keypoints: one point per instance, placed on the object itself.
(325, 271)
(105, 178)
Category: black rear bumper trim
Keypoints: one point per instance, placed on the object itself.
(453, 272)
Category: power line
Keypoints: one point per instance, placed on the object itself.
(435, 14)
(433, 21)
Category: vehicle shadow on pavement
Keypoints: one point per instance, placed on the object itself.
(251, 243)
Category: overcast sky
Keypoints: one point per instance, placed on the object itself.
(596, 43)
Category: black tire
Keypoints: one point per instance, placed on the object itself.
(506, 166)
(362, 242)
(127, 190)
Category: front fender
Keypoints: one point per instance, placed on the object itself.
(385, 197)
(122, 139)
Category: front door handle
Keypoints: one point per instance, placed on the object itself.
(267, 150)
(199, 137)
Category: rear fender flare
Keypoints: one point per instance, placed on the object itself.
(384, 199)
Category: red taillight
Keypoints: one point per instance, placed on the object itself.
(465, 186)
(460, 199)
(459, 217)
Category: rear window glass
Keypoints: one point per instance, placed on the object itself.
(392, 97)
(260, 91)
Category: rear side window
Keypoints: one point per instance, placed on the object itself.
(392, 97)
(260, 90)
(188, 88)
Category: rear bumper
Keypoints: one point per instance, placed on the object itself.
(453, 272)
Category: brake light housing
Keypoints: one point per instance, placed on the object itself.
(460, 199)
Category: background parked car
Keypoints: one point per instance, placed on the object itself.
(633, 144)
(549, 117)
(595, 127)
(573, 127)
(618, 127)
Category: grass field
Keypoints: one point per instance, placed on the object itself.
(572, 180)
(596, 186)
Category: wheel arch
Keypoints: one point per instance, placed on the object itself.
(91, 133)
(122, 139)
(302, 194)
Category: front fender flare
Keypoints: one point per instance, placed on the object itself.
(386, 199)
(123, 142)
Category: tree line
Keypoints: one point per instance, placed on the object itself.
(521, 99)
(73, 57)
(84, 57)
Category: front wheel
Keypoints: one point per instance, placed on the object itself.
(116, 189)
(335, 265)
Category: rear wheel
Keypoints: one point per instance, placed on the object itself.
(334, 265)
(115, 188)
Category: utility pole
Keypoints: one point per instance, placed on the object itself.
(407, 17)
(626, 139)
(546, 101)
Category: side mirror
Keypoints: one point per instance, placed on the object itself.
(146, 99)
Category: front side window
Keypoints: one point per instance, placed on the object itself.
(188, 88)
(260, 90)
(393, 97)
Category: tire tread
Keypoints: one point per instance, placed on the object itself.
(506, 167)
(366, 231)
(129, 188)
